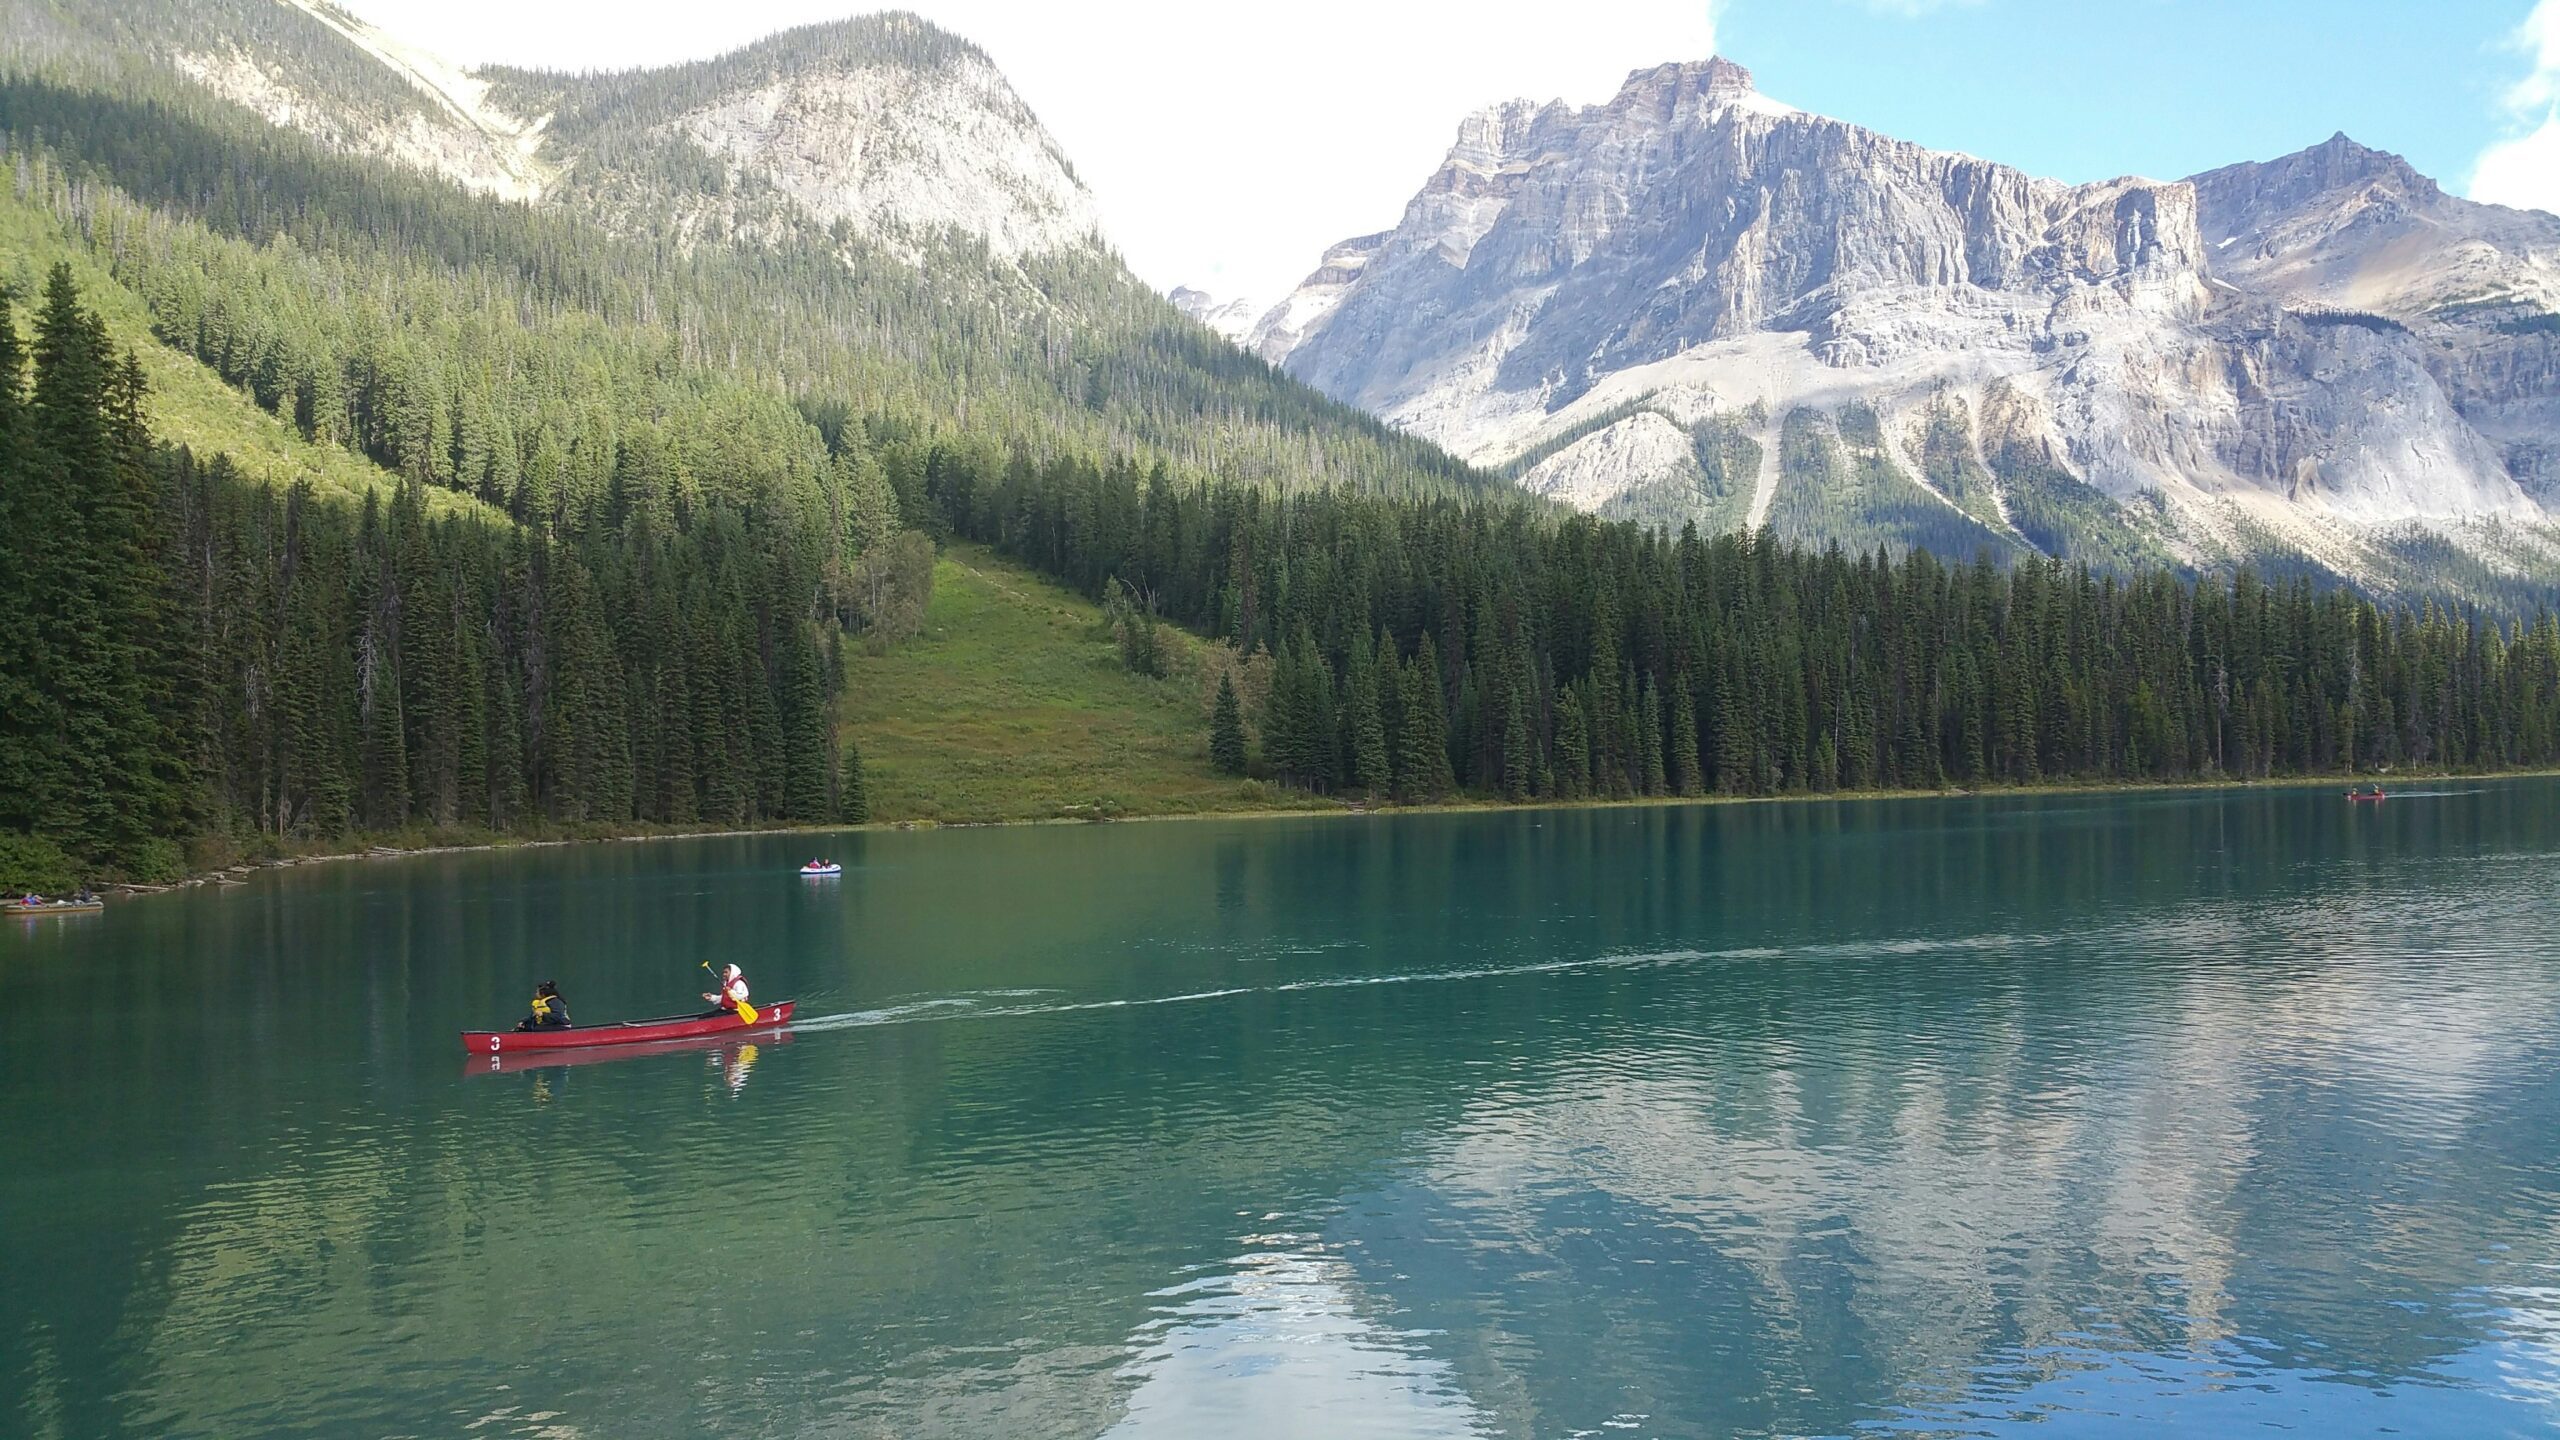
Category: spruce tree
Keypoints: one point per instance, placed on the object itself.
(1573, 746)
(30, 761)
(1422, 745)
(1684, 741)
(1516, 770)
(1649, 739)
(1226, 730)
(1370, 770)
(806, 722)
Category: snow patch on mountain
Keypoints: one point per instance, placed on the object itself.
(903, 152)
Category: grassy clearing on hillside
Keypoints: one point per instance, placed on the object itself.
(189, 404)
(1013, 705)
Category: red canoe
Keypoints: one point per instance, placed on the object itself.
(2375, 796)
(512, 1061)
(629, 1032)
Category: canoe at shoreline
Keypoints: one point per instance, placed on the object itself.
(627, 1032)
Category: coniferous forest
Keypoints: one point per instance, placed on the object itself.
(1423, 646)
(190, 654)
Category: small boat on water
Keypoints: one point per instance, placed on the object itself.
(817, 868)
(769, 1018)
(511, 1062)
(51, 907)
(2374, 794)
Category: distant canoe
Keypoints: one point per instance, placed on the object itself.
(815, 868)
(2372, 795)
(52, 907)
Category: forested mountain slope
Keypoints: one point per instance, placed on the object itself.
(525, 487)
(860, 217)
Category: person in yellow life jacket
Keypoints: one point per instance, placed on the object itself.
(732, 994)
(550, 1012)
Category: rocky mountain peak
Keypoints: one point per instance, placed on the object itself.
(1231, 318)
(2237, 198)
(1490, 135)
(1688, 88)
(2344, 226)
(1693, 302)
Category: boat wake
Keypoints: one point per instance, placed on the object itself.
(1007, 1004)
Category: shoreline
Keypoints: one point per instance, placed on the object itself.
(235, 874)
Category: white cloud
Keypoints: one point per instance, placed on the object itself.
(2523, 167)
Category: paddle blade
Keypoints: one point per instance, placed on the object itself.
(746, 1012)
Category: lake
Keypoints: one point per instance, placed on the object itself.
(2181, 1112)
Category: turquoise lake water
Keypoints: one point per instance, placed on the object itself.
(2069, 1116)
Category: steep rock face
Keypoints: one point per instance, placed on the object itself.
(2340, 227)
(901, 150)
(303, 64)
(1693, 248)
(1231, 318)
(1643, 449)
(2344, 226)
(883, 124)
(1281, 329)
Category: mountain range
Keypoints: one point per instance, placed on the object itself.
(1691, 303)
(1694, 302)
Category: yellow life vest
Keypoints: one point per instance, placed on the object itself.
(542, 1007)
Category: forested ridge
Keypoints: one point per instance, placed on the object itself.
(187, 654)
(496, 348)
(1419, 647)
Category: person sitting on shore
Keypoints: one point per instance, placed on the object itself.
(731, 994)
(550, 1012)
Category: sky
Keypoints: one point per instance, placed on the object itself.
(1228, 144)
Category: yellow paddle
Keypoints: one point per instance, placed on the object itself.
(746, 1012)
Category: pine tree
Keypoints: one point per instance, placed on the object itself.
(1364, 723)
(1573, 746)
(1226, 730)
(32, 769)
(1516, 769)
(1422, 742)
(806, 723)
(1685, 778)
(1649, 740)
(93, 757)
